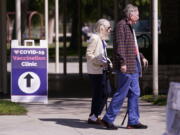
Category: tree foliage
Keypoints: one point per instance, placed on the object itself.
(90, 8)
(144, 8)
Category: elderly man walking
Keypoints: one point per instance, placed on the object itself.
(127, 65)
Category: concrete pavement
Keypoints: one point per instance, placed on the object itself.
(68, 116)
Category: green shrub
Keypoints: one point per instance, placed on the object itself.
(156, 100)
(10, 108)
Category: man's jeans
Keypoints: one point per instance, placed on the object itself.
(127, 86)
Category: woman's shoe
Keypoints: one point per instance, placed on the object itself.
(97, 121)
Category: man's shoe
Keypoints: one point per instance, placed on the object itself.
(108, 125)
(94, 122)
(137, 126)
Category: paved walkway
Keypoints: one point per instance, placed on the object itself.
(68, 116)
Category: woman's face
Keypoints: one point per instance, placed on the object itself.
(106, 30)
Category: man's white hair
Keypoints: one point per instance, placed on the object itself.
(100, 22)
(130, 9)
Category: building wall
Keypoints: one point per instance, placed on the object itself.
(74, 85)
(167, 74)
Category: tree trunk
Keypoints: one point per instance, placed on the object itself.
(170, 25)
(3, 48)
(24, 10)
(100, 6)
(170, 28)
(74, 34)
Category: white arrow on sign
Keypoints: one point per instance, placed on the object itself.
(29, 82)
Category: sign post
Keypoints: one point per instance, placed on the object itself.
(29, 77)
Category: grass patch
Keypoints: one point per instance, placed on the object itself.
(10, 108)
(159, 100)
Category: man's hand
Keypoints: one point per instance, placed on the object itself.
(145, 63)
(123, 69)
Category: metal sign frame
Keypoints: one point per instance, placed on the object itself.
(29, 71)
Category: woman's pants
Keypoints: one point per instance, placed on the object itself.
(100, 93)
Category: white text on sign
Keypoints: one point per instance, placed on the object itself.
(29, 64)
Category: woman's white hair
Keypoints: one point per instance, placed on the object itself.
(130, 9)
(101, 22)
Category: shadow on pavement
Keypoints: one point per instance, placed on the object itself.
(75, 123)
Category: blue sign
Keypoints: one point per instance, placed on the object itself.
(29, 72)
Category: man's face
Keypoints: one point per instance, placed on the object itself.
(134, 17)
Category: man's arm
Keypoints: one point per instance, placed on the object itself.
(120, 45)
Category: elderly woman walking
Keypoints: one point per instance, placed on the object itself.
(97, 63)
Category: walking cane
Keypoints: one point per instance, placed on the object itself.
(124, 118)
(107, 77)
(106, 87)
